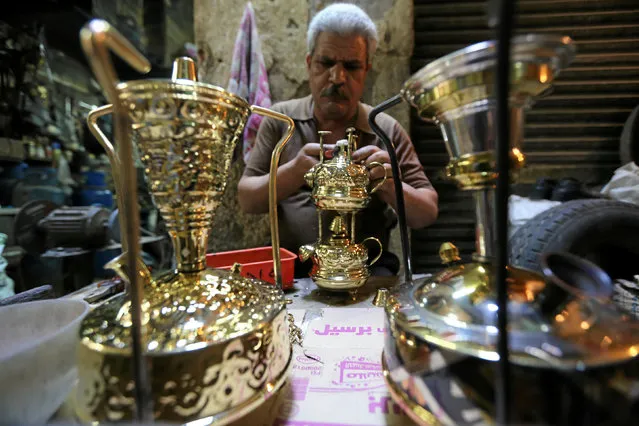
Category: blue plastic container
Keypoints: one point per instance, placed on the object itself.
(95, 191)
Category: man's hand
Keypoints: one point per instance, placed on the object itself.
(371, 153)
(253, 190)
(420, 203)
(308, 156)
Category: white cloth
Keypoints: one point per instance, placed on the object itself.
(624, 184)
(6, 283)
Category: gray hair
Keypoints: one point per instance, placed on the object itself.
(344, 19)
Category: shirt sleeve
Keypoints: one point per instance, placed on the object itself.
(411, 168)
(268, 134)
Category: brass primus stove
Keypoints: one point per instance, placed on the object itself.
(455, 309)
(340, 188)
(215, 344)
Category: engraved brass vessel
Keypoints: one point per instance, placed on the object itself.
(215, 344)
(339, 264)
(441, 347)
(340, 189)
(340, 184)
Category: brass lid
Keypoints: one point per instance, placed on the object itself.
(467, 75)
(183, 312)
(550, 324)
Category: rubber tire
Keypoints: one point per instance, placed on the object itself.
(629, 141)
(606, 232)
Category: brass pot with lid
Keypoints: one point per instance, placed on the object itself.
(340, 184)
(338, 263)
(215, 344)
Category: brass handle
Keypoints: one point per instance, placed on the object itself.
(272, 185)
(381, 249)
(97, 38)
(92, 122)
(372, 166)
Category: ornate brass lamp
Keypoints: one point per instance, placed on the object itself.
(216, 344)
(340, 188)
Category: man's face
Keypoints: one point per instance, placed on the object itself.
(337, 71)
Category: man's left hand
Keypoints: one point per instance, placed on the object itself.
(371, 153)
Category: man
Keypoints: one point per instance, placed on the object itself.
(341, 42)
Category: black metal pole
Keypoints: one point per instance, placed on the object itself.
(399, 191)
(504, 23)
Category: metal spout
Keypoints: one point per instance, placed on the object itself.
(306, 252)
(119, 266)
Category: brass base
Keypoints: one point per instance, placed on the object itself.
(411, 310)
(216, 345)
(342, 281)
(223, 418)
(468, 284)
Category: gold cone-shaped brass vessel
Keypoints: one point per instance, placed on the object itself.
(215, 344)
(454, 310)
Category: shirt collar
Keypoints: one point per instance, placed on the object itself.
(303, 111)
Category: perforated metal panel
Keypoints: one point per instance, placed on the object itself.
(573, 132)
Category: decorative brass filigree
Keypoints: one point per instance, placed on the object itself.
(187, 385)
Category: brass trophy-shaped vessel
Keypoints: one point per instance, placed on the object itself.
(340, 188)
(441, 347)
(339, 184)
(215, 344)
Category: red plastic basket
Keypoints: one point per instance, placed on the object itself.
(256, 263)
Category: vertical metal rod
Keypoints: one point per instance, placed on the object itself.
(485, 226)
(504, 35)
(321, 134)
(399, 191)
(272, 186)
(98, 39)
(130, 204)
(320, 225)
(353, 238)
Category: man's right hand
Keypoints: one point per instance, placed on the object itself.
(308, 156)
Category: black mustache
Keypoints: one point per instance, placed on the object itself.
(333, 92)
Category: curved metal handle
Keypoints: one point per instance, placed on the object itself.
(370, 167)
(92, 122)
(272, 186)
(381, 249)
(97, 38)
